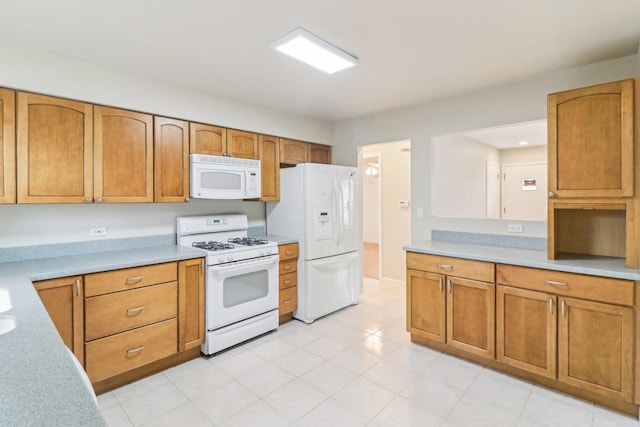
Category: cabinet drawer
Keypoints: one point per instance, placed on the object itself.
(603, 289)
(116, 354)
(288, 280)
(130, 278)
(122, 311)
(288, 266)
(288, 251)
(288, 300)
(469, 269)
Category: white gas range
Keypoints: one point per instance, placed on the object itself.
(241, 290)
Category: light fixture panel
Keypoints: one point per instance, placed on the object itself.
(312, 50)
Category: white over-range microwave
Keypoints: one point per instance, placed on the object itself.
(218, 177)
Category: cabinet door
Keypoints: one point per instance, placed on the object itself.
(471, 316)
(242, 144)
(55, 150)
(426, 305)
(595, 342)
(123, 144)
(171, 160)
(207, 139)
(63, 300)
(7, 146)
(292, 152)
(526, 330)
(591, 141)
(269, 148)
(191, 327)
(318, 153)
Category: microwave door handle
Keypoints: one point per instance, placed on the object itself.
(246, 182)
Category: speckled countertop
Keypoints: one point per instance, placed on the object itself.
(606, 267)
(39, 384)
(280, 240)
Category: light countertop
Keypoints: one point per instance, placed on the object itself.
(596, 266)
(39, 384)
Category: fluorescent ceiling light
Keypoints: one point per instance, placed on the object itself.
(314, 51)
(523, 143)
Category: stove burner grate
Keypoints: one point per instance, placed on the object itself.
(248, 241)
(212, 246)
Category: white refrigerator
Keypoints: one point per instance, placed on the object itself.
(320, 206)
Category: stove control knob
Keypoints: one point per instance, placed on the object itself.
(220, 259)
(262, 253)
(229, 258)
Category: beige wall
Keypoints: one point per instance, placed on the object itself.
(537, 153)
(26, 68)
(513, 102)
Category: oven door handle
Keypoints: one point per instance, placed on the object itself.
(244, 265)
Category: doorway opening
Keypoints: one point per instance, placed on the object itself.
(386, 208)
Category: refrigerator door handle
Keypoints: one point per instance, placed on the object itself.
(341, 215)
(338, 211)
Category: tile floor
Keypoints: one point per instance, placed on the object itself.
(356, 367)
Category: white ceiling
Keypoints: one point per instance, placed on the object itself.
(410, 51)
(509, 136)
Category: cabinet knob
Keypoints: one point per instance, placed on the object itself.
(99, 200)
(552, 194)
(89, 199)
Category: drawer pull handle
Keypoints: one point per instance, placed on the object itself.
(554, 283)
(286, 282)
(289, 253)
(287, 301)
(134, 279)
(135, 310)
(286, 267)
(445, 267)
(135, 350)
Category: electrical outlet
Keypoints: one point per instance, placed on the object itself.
(514, 228)
(98, 231)
(420, 213)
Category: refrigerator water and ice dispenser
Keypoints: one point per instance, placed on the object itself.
(323, 224)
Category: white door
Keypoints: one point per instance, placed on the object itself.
(524, 191)
(348, 215)
(329, 285)
(493, 190)
(321, 211)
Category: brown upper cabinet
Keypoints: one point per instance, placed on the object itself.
(292, 152)
(171, 160)
(269, 150)
(207, 139)
(318, 153)
(217, 141)
(55, 150)
(123, 144)
(591, 141)
(242, 144)
(7, 146)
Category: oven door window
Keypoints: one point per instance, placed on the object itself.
(221, 180)
(243, 288)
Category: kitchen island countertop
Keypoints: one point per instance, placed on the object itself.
(39, 383)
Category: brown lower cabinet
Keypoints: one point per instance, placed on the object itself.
(569, 331)
(444, 308)
(125, 324)
(288, 281)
